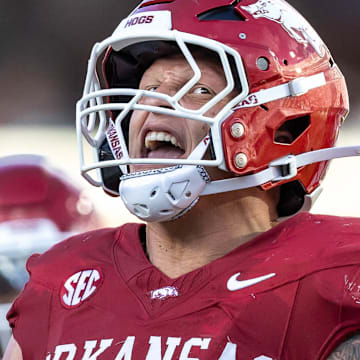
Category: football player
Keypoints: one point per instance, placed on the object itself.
(38, 208)
(214, 122)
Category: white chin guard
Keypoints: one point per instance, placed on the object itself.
(153, 197)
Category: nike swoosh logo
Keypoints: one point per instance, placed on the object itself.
(234, 284)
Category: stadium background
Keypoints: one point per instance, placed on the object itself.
(43, 58)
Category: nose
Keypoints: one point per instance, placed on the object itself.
(159, 101)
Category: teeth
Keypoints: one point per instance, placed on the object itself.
(160, 136)
(174, 141)
(153, 137)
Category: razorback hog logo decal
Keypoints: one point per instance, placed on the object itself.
(163, 293)
(291, 21)
(80, 287)
(139, 20)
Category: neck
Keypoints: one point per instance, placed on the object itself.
(215, 226)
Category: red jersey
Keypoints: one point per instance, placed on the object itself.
(291, 293)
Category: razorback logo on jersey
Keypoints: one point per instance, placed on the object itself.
(80, 287)
(163, 293)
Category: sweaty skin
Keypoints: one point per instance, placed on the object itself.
(168, 75)
(178, 247)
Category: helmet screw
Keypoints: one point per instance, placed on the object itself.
(240, 160)
(237, 130)
(263, 63)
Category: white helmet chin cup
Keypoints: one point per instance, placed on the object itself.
(153, 197)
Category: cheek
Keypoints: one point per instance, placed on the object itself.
(217, 107)
(198, 130)
(136, 122)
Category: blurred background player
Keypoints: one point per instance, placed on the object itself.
(38, 208)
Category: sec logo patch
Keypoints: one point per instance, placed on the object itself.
(80, 287)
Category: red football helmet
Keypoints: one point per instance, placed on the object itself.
(290, 101)
(38, 208)
(32, 189)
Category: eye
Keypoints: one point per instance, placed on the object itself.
(151, 88)
(201, 90)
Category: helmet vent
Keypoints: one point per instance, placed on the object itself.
(165, 212)
(291, 129)
(221, 13)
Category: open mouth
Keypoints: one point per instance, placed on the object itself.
(163, 145)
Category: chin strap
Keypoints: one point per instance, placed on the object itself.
(153, 197)
(281, 169)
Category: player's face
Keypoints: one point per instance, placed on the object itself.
(154, 135)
